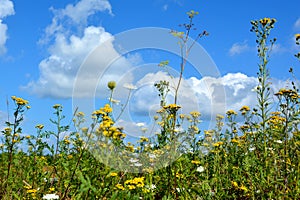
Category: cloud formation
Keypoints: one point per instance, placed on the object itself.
(238, 48)
(71, 40)
(6, 9)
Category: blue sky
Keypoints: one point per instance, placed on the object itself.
(43, 44)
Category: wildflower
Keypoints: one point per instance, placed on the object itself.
(52, 189)
(196, 162)
(251, 149)
(31, 191)
(131, 187)
(172, 107)
(67, 141)
(200, 169)
(120, 187)
(245, 108)
(132, 160)
(218, 144)
(297, 36)
(19, 101)
(244, 188)
(195, 114)
(278, 141)
(192, 13)
(113, 174)
(129, 86)
(111, 85)
(155, 117)
(39, 126)
(80, 114)
(234, 141)
(27, 136)
(231, 112)
(234, 184)
(50, 196)
(56, 106)
(144, 139)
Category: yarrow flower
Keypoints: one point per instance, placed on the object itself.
(50, 196)
(129, 86)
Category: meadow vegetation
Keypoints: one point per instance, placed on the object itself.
(253, 158)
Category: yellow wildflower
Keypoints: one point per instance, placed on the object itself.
(218, 144)
(113, 174)
(244, 188)
(120, 187)
(195, 114)
(19, 100)
(231, 112)
(297, 36)
(56, 106)
(234, 184)
(39, 126)
(196, 162)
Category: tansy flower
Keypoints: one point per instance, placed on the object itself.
(39, 126)
(19, 101)
(297, 36)
(113, 174)
(56, 106)
(196, 162)
(231, 112)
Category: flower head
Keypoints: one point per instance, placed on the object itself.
(111, 85)
(129, 86)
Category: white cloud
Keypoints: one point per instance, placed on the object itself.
(69, 50)
(6, 9)
(209, 95)
(297, 23)
(238, 48)
(77, 15)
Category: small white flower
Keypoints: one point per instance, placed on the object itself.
(151, 187)
(278, 141)
(200, 169)
(251, 148)
(132, 160)
(138, 164)
(140, 124)
(115, 101)
(129, 86)
(50, 196)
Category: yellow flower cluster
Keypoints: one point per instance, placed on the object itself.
(231, 112)
(266, 21)
(297, 36)
(236, 186)
(20, 101)
(288, 93)
(245, 109)
(217, 144)
(195, 114)
(113, 174)
(172, 107)
(137, 182)
(106, 126)
(196, 162)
